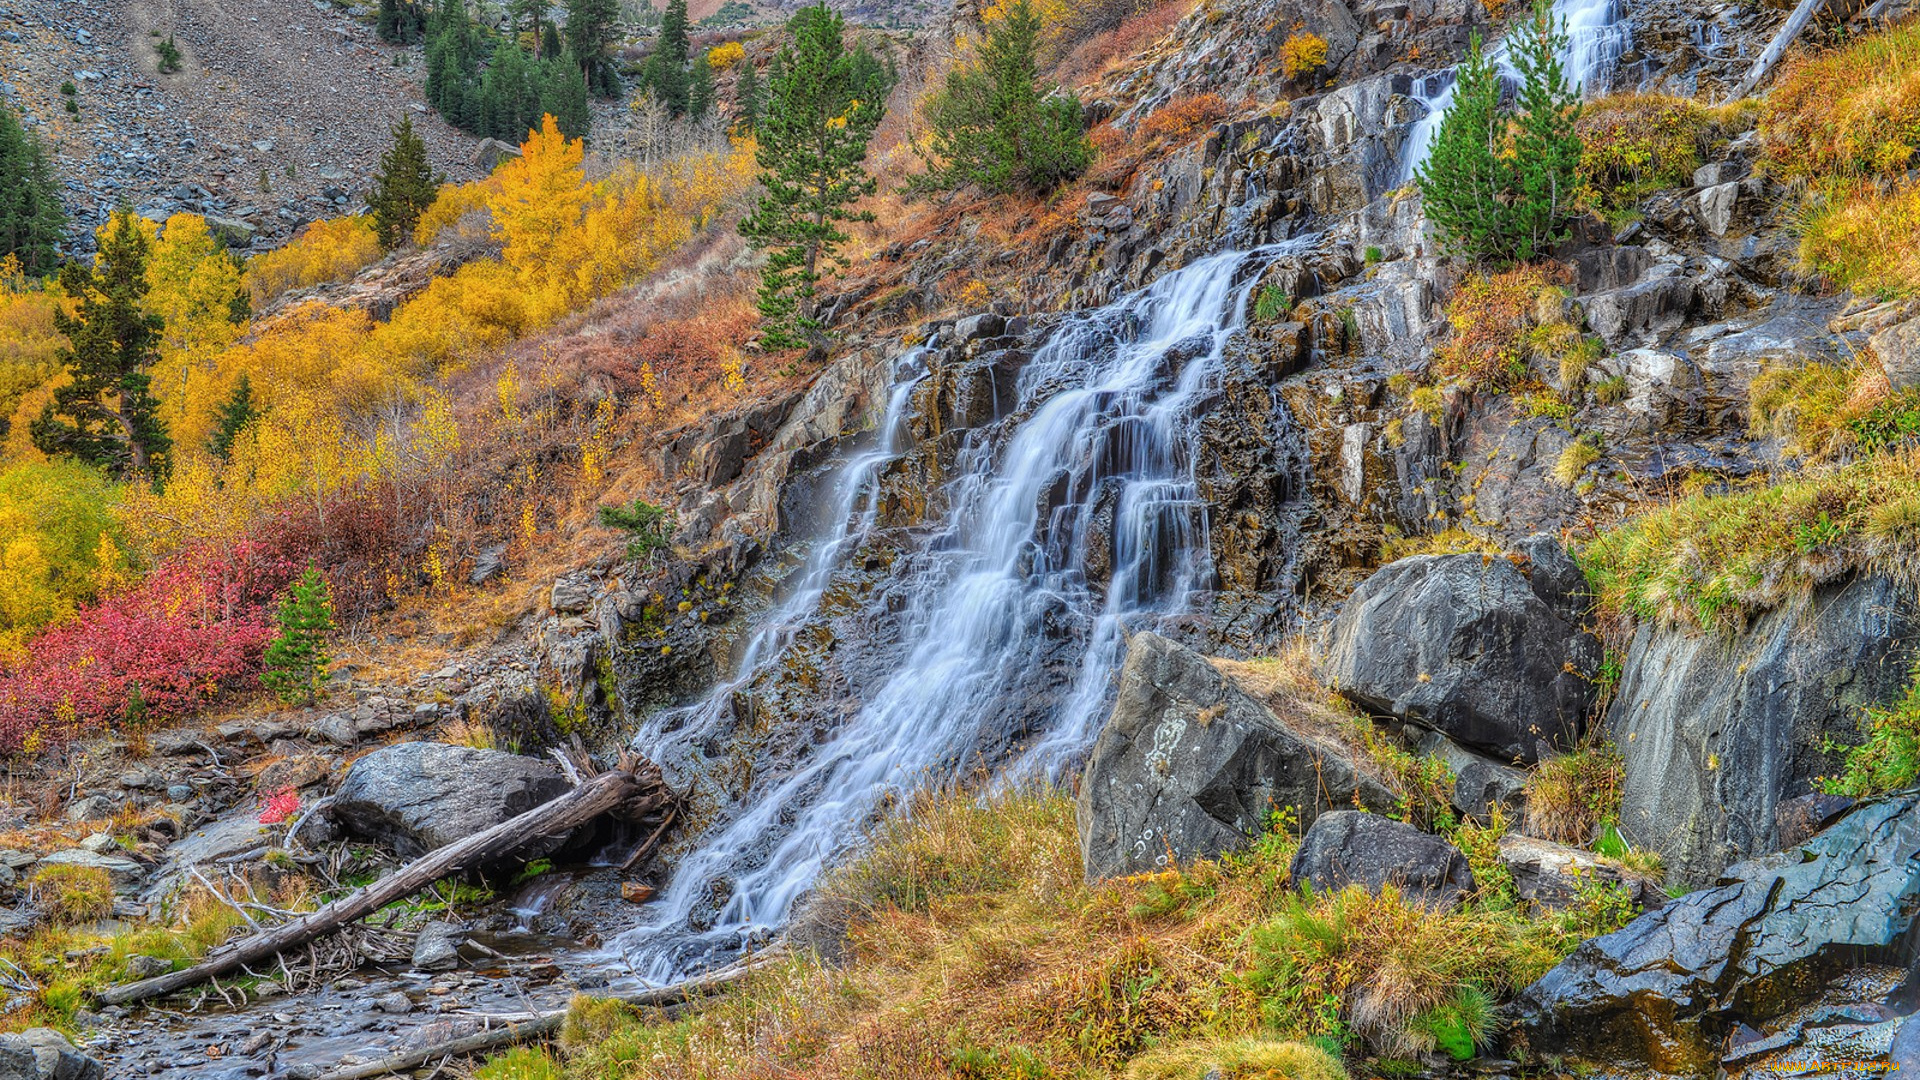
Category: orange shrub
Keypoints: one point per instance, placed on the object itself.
(1183, 116)
(1490, 317)
(1102, 52)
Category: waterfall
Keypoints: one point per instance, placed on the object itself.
(1597, 35)
(1070, 519)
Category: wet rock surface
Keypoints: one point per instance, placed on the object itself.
(1717, 732)
(1488, 650)
(1672, 987)
(1188, 766)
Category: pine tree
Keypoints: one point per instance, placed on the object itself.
(527, 12)
(1546, 145)
(592, 27)
(1467, 176)
(563, 94)
(700, 88)
(31, 218)
(813, 139)
(665, 72)
(550, 45)
(296, 659)
(993, 125)
(1499, 186)
(403, 188)
(232, 418)
(746, 98)
(107, 415)
(388, 23)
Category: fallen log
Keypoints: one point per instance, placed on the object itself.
(1776, 50)
(527, 1029)
(576, 807)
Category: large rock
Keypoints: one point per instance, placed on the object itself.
(1898, 349)
(419, 796)
(1668, 989)
(1718, 731)
(1189, 765)
(1352, 847)
(126, 874)
(45, 1054)
(1489, 651)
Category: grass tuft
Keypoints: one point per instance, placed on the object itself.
(1573, 796)
(1238, 1059)
(73, 895)
(1718, 560)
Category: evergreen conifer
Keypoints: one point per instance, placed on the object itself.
(31, 218)
(1499, 185)
(232, 418)
(995, 126)
(106, 415)
(665, 72)
(813, 136)
(403, 188)
(296, 659)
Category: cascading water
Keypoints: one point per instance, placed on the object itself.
(1597, 35)
(1096, 455)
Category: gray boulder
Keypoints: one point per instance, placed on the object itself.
(1718, 731)
(418, 796)
(91, 808)
(1666, 991)
(1489, 651)
(437, 946)
(1551, 875)
(127, 874)
(491, 152)
(1189, 765)
(45, 1054)
(1353, 847)
(1898, 349)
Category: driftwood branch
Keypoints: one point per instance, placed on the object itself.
(576, 807)
(1777, 48)
(527, 1029)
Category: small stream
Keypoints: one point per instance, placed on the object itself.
(528, 957)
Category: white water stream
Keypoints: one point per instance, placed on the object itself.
(1597, 35)
(1107, 417)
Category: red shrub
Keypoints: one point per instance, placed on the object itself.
(357, 543)
(158, 651)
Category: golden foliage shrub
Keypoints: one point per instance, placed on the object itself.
(1302, 54)
(330, 250)
(60, 545)
(29, 344)
(461, 208)
(725, 55)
